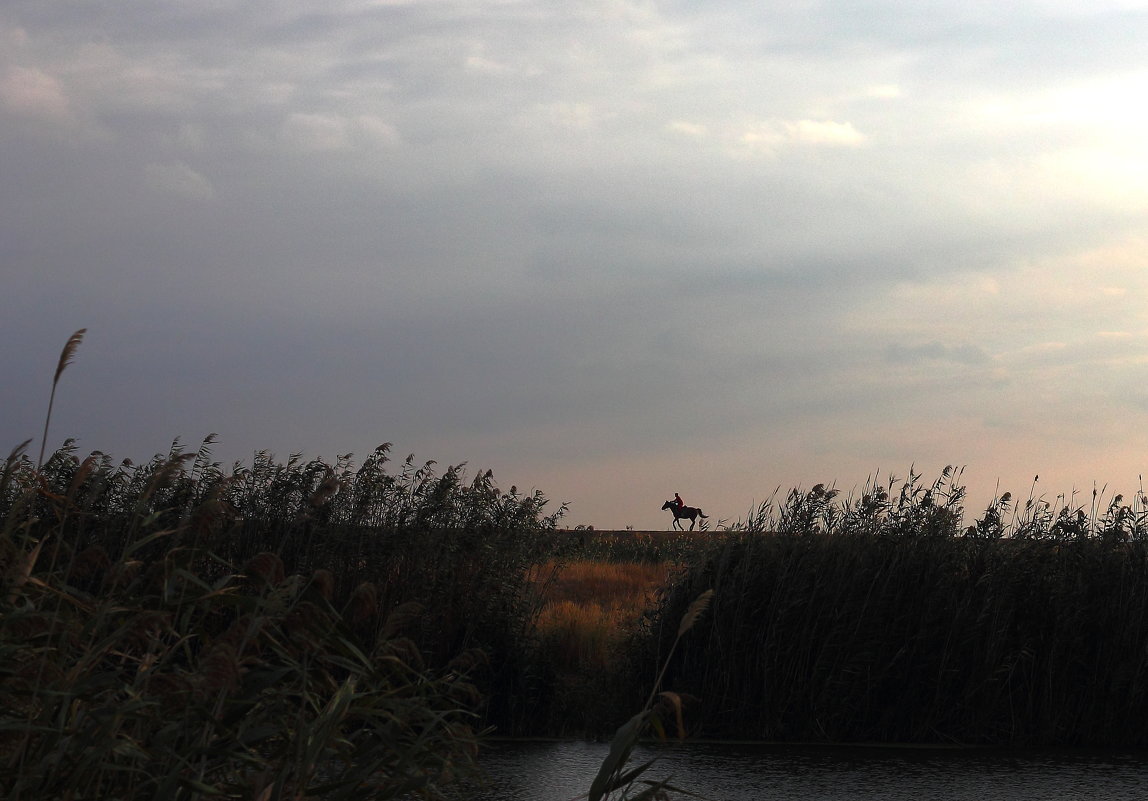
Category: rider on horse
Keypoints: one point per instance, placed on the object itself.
(680, 510)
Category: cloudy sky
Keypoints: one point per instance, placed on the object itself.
(610, 249)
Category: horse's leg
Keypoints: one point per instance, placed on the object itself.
(692, 521)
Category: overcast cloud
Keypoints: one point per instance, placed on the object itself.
(611, 249)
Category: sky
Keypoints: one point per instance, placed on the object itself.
(611, 250)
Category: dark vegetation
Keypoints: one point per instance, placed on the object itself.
(175, 629)
(882, 619)
(169, 628)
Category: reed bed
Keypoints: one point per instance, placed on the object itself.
(460, 547)
(175, 630)
(172, 631)
(885, 618)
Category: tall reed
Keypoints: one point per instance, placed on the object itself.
(178, 630)
(615, 777)
(884, 618)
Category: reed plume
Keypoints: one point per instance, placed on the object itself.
(66, 356)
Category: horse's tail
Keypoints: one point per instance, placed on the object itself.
(702, 514)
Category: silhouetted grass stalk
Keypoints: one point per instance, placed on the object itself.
(614, 774)
(66, 356)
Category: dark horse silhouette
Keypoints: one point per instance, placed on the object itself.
(691, 512)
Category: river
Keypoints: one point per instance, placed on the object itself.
(558, 771)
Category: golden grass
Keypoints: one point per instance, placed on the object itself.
(592, 606)
(612, 585)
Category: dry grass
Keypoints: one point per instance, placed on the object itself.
(610, 585)
(590, 615)
(592, 606)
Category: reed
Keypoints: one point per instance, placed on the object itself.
(140, 664)
(177, 630)
(661, 707)
(885, 618)
(66, 357)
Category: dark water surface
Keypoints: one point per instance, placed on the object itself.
(561, 771)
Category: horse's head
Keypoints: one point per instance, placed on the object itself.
(668, 505)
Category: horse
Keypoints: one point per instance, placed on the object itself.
(692, 512)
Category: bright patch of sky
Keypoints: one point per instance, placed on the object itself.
(613, 249)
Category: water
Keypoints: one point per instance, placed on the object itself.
(561, 771)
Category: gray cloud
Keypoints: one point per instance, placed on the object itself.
(562, 238)
(935, 351)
